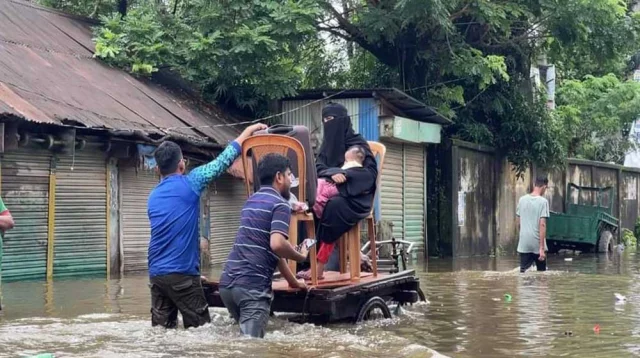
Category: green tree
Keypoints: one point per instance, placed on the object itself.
(245, 52)
(594, 116)
(471, 58)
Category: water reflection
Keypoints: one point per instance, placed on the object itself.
(549, 314)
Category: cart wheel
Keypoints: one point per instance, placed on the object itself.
(605, 244)
(374, 308)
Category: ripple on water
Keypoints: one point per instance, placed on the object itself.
(549, 314)
(116, 335)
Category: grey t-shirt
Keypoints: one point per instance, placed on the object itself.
(530, 210)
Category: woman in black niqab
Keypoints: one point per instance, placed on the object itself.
(356, 193)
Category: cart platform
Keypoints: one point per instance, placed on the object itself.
(337, 298)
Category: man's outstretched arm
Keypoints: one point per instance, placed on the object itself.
(201, 176)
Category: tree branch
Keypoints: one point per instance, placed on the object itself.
(353, 33)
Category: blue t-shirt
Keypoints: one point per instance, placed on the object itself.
(174, 210)
(251, 262)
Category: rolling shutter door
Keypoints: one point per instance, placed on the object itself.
(135, 187)
(227, 196)
(414, 199)
(25, 191)
(391, 189)
(81, 215)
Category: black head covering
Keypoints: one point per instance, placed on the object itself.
(338, 137)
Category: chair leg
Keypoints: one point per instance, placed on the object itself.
(293, 240)
(344, 240)
(313, 254)
(354, 252)
(371, 232)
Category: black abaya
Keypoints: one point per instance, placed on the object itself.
(356, 194)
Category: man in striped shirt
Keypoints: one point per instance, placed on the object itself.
(261, 245)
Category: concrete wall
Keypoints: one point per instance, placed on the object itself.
(472, 197)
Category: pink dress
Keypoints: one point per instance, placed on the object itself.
(325, 191)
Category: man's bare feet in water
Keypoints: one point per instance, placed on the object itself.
(307, 273)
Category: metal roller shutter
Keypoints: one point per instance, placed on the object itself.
(391, 203)
(81, 215)
(414, 198)
(135, 186)
(227, 196)
(25, 191)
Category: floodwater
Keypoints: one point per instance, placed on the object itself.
(551, 314)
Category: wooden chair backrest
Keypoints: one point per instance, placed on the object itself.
(379, 151)
(261, 145)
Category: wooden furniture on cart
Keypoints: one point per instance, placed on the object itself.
(350, 241)
(261, 145)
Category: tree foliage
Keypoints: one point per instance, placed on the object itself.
(245, 51)
(594, 117)
(471, 59)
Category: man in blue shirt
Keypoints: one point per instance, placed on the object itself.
(174, 210)
(261, 245)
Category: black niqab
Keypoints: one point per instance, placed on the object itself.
(356, 195)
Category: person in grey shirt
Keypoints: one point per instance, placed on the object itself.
(532, 213)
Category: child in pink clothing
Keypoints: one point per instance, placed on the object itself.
(353, 158)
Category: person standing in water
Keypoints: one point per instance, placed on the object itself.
(532, 213)
(174, 211)
(261, 245)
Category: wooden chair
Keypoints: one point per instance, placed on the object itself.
(261, 145)
(350, 241)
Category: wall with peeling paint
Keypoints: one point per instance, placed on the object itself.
(472, 197)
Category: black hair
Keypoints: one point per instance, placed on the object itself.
(270, 165)
(168, 156)
(541, 181)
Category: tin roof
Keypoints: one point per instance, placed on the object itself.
(407, 106)
(48, 75)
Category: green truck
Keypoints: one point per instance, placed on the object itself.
(588, 225)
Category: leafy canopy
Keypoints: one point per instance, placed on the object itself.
(470, 59)
(243, 51)
(594, 116)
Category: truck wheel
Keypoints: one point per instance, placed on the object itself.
(605, 244)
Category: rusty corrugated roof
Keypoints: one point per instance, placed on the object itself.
(48, 75)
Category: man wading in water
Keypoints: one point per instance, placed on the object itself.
(174, 210)
(260, 246)
(532, 213)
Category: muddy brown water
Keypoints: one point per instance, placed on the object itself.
(550, 314)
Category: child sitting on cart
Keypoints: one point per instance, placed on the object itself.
(327, 189)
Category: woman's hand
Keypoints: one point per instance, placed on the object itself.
(339, 178)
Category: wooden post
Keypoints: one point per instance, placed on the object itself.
(313, 257)
(113, 219)
(354, 251)
(51, 222)
(343, 253)
(293, 239)
(371, 232)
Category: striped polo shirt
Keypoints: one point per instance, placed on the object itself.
(251, 262)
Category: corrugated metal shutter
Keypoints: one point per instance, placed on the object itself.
(391, 189)
(136, 232)
(414, 199)
(81, 215)
(227, 196)
(25, 191)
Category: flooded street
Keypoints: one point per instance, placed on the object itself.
(469, 314)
